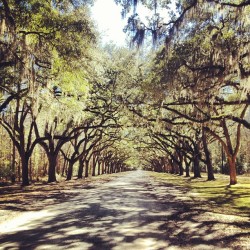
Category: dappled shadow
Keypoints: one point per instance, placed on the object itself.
(223, 196)
(130, 212)
(40, 195)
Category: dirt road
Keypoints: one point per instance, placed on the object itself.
(132, 212)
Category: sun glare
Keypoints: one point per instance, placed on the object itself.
(108, 17)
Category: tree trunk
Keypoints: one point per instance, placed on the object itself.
(86, 168)
(64, 167)
(187, 164)
(99, 168)
(197, 173)
(171, 164)
(70, 170)
(103, 167)
(111, 170)
(13, 169)
(94, 165)
(108, 168)
(25, 169)
(180, 169)
(80, 169)
(19, 170)
(30, 168)
(210, 172)
(180, 162)
(222, 161)
(52, 168)
(232, 170)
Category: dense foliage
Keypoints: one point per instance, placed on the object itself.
(197, 85)
(70, 107)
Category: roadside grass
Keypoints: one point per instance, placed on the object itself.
(218, 194)
(233, 199)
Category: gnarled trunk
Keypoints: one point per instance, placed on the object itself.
(52, 167)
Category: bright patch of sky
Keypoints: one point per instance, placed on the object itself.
(110, 24)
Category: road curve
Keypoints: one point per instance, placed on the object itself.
(132, 212)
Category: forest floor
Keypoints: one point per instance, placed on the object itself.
(133, 210)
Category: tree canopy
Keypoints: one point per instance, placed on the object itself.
(81, 108)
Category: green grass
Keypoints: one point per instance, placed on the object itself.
(235, 198)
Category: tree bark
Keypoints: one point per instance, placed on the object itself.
(19, 170)
(93, 165)
(86, 168)
(99, 167)
(210, 172)
(70, 170)
(181, 171)
(103, 167)
(64, 167)
(171, 165)
(13, 164)
(108, 168)
(187, 164)
(25, 169)
(52, 167)
(196, 161)
(80, 169)
(232, 170)
(30, 168)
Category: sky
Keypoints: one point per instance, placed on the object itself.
(110, 24)
(108, 17)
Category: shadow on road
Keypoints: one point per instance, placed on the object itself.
(131, 212)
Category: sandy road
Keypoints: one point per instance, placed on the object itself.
(132, 212)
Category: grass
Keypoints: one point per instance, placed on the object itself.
(218, 193)
(234, 199)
